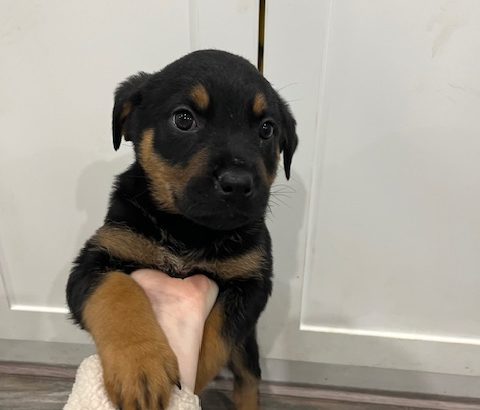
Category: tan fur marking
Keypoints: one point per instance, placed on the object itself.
(245, 394)
(200, 97)
(246, 265)
(167, 181)
(245, 397)
(131, 345)
(125, 244)
(214, 352)
(259, 104)
(267, 178)
(127, 107)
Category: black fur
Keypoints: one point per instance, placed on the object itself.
(207, 223)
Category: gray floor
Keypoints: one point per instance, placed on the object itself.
(45, 393)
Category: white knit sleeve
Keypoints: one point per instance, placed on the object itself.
(88, 392)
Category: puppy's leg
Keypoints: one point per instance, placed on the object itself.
(215, 350)
(138, 364)
(244, 363)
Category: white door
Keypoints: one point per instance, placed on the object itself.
(60, 62)
(378, 247)
(376, 236)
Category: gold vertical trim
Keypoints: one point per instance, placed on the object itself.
(261, 34)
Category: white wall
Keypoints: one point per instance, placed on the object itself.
(384, 220)
(60, 63)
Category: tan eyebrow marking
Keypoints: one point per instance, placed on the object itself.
(200, 97)
(259, 104)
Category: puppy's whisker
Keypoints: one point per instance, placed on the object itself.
(283, 202)
(140, 194)
(284, 186)
(269, 212)
(288, 85)
(286, 193)
(277, 195)
(271, 201)
(280, 200)
(284, 189)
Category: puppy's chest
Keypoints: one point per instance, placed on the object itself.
(124, 244)
(175, 263)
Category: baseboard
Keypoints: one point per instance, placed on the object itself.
(44, 352)
(371, 378)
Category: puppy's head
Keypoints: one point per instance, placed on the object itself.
(208, 131)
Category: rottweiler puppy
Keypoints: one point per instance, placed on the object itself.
(208, 131)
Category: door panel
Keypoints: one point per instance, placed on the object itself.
(384, 193)
(60, 63)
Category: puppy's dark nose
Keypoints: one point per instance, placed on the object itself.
(235, 183)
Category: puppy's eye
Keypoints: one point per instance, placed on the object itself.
(267, 129)
(184, 120)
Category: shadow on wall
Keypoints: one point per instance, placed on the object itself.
(92, 193)
(284, 221)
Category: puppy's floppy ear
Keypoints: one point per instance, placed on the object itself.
(127, 97)
(288, 136)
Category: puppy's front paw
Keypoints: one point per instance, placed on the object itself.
(140, 376)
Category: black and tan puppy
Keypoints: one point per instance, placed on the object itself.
(208, 131)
